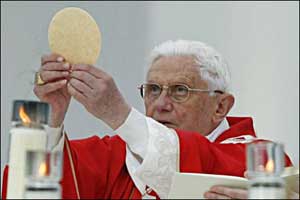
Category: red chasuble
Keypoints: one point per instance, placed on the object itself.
(95, 167)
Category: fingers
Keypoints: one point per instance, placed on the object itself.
(42, 90)
(85, 77)
(51, 58)
(212, 195)
(55, 66)
(94, 78)
(246, 174)
(84, 80)
(50, 76)
(81, 87)
(90, 69)
(235, 193)
(76, 94)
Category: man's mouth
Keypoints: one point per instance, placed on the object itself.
(167, 123)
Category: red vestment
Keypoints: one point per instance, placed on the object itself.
(101, 172)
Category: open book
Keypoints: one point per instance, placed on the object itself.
(194, 185)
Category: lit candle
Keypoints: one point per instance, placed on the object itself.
(265, 162)
(43, 169)
(269, 166)
(28, 133)
(43, 173)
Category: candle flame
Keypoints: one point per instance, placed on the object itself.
(43, 169)
(270, 166)
(23, 115)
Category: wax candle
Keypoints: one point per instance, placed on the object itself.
(27, 133)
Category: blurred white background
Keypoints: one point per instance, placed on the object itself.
(260, 41)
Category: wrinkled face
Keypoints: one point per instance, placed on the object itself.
(194, 114)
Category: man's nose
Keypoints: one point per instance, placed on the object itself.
(164, 102)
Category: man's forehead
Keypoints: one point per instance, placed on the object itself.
(185, 60)
(175, 68)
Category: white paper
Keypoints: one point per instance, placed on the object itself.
(194, 185)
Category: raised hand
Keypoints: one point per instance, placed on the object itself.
(97, 91)
(54, 72)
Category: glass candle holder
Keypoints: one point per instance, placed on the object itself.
(31, 114)
(43, 173)
(265, 163)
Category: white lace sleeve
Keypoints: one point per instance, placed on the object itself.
(157, 146)
(134, 132)
(55, 139)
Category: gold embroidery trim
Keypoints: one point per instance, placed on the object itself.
(72, 168)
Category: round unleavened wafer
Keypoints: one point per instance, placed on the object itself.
(75, 35)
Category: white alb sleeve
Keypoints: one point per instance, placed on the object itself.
(158, 147)
(55, 138)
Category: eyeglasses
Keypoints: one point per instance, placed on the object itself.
(177, 92)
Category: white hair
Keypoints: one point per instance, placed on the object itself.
(213, 67)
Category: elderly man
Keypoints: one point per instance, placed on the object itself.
(185, 127)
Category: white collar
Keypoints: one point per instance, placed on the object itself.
(223, 126)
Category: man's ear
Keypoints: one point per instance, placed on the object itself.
(224, 104)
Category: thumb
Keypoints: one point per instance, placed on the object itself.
(246, 174)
